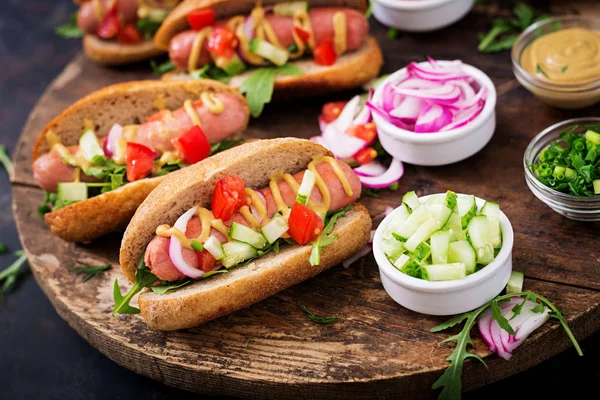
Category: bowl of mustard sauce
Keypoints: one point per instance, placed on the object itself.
(558, 60)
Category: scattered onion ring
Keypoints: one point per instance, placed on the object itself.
(359, 254)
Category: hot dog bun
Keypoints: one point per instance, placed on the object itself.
(110, 52)
(125, 103)
(349, 71)
(243, 286)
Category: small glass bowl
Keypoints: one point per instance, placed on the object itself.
(578, 208)
(567, 96)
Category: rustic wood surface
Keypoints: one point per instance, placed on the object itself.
(271, 349)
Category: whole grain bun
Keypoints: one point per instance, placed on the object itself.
(111, 52)
(125, 103)
(243, 286)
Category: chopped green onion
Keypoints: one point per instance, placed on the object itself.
(196, 245)
(539, 70)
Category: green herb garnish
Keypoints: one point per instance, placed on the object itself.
(597, 271)
(318, 320)
(209, 71)
(162, 289)
(163, 68)
(258, 87)
(3, 248)
(394, 187)
(9, 276)
(450, 381)
(5, 160)
(90, 271)
(148, 27)
(196, 245)
(571, 164)
(373, 193)
(224, 145)
(326, 238)
(564, 68)
(539, 70)
(505, 31)
(392, 33)
(70, 30)
(143, 278)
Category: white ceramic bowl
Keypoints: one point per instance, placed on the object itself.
(420, 15)
(446, 297)
(442, 148)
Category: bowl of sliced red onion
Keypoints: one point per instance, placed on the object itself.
(435, 112)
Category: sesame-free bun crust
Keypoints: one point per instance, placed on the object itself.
(111, 52)
(216, 296)
(125, 103)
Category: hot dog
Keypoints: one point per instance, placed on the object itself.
(120, 158)
(321, 20)
(157, 134)
(89, 16)
(294, 213)
(157, 253)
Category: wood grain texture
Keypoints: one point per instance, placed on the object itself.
(271, 350)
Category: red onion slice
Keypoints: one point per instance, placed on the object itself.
(484, 328)
(432, 118)
(110, 144)
(374, 168)
(176, 249)
(361, 253)
(464, 117)
(394, 172)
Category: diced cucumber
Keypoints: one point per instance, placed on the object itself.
(423, 233)
(412, 200)
(440, 213)
(289, 9)
(593, 137)
(515, 282)
(308, 182)
(89, 145)
(480, 237)
(596, 184)
(275, 229)
(436, 199)
(214, 247)
(266, 50)
(444, 272)
(398, 217)
(244, 234)
(72, 191)
(492, 211)
(412, 223)
(231, 65)
(452, 200)
(392, 248)
(440, 240)
(237, 252)
(462, 252)
(421, 253)
(467, 209)
(408, 266)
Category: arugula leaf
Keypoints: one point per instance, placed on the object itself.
(498, 317)
(5, 160)
(258, 87)
(165, 288)
(9, 276)
(90, 271)
(457, 319)
(223, 145)
(148, 27)
(69, 30)
(209, 71)
(163, 68)
(325, 239)
(318, 320)
(143, 278)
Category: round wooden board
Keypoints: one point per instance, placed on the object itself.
(376, 348)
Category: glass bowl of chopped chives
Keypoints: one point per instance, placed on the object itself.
(562, 168)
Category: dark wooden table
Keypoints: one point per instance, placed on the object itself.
(41, 356)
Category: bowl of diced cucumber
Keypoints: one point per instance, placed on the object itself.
(444, 254)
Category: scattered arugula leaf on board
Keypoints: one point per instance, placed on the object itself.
(393, 33)
(9, 276)
(90, 271)
(505, 31)
(5, 160)
(451, 379)
(258, 87)
(318, 320)
(3, 248)
(70, 29)
(326, 238)
(211, 72)
(143, 278)
(163, 68)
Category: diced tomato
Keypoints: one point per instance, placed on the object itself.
(206, 262)
(303, 34)
(305, 225)
(365, 156)
(332, 110)
(158, 116)
(366, 132)
(229, 196)
(222, 42)
(140, 160)
(201, 18)
(110, 24)
(325, 53)
(192, 146)
(129, 35)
